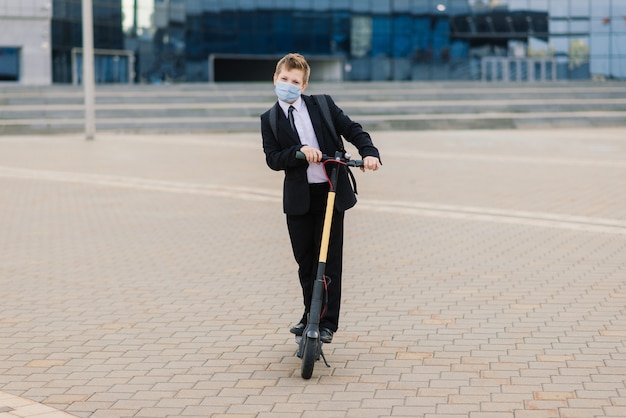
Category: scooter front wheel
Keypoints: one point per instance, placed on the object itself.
(309, 356)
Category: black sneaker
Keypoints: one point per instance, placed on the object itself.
(326, 336)
(298, 329)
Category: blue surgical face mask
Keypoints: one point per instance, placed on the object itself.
(287, 92)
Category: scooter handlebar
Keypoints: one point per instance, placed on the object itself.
(347, 161)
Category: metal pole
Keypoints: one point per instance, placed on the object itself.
(611, 40)
(88, 70)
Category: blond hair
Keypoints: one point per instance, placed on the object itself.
(294, 61)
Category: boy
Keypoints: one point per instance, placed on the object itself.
(300, 126)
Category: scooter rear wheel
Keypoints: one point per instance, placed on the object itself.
(309, 356)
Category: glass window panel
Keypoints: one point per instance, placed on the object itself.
(559, 8)
(459, 50)
(300, 5)
(580, 8)
(619, 8)
(319, 32)
(599, 45)
(193, 7)
(457, 7)
(282, 24)
(518, 5)
(9, 64)
(402, 46)
(360, 36)
(340, 42)
(578, 51)
(361, 5)
(560, 45)
(340, 5)
(441, 32)
(600, 24)
(600, 8)
(538, 47)
(265, 4)
(420, 6)
(283, 4)
(579, 26)
(321, 5)
(381, 6)
(599, 49)
(422, 36)
(401, 5)
(578, 59)
(59, 9)
(617, 55)
(558, 26)
(381, 36)
(539, 5)
(247, 4)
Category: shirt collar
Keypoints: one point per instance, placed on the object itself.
(285, 106)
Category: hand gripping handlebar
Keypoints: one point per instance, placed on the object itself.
(339, 157)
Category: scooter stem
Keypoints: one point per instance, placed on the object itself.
(330, 205)
(312, 329)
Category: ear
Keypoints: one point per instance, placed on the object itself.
(304, 86)
(275, 78)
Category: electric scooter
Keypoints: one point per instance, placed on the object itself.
(309, 344)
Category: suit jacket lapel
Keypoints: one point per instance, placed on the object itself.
(284, 126)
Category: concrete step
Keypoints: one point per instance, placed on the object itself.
(253, 92)
(392, 105)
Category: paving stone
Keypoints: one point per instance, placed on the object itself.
(144, 276)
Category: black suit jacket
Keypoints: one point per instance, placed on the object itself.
(280, 153)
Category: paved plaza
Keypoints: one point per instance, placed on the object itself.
(151, 276)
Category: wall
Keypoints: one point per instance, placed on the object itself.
(26, 25)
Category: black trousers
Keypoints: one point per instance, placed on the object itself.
(305, 232)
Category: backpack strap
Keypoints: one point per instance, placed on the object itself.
(273, 121)
(322, 102)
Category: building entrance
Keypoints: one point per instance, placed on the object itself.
(234, 67)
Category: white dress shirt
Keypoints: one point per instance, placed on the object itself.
(315, 173)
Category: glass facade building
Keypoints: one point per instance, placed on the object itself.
(66, 31)
(390, 39)
(361, 40)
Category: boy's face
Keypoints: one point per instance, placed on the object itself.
(294, 76)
